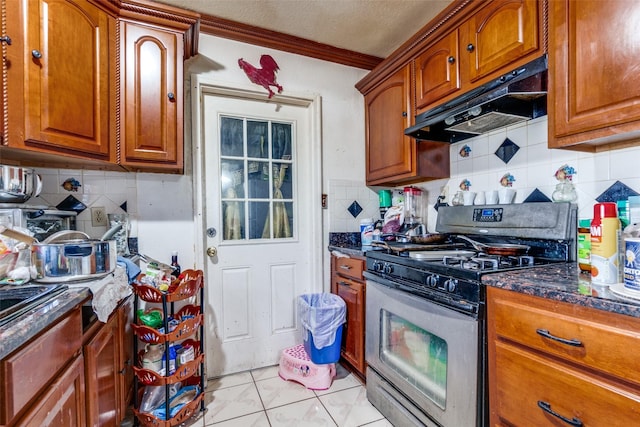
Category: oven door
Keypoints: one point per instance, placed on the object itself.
(424, 357)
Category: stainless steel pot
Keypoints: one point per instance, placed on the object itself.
(17, 184)
(73, 260)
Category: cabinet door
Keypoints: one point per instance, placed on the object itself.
(353, 332)
(593, 72)
(63, 404)
(388, 111)
(152, 98)
(67, 81)
(102, 355)
(436, 71)
(126, 360)
(499, 34)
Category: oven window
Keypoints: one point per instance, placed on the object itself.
(416, 355)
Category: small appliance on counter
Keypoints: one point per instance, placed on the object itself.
(41, 221)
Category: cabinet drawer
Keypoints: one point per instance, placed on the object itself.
(523, 379)
(27, 371)
(350, 267)
(601, 340)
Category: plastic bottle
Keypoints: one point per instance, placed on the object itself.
(152, 358)
(172, 360)
(366, 231)
(605, 235)
(584, 245)
(174, 264)
(631, 248)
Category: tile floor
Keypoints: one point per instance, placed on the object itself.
(260, 398)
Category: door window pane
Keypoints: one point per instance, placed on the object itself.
(231, 137)
(258, 153)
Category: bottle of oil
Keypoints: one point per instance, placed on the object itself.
(174, 264)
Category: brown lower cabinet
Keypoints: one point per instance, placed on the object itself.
(348, 283)
(70, 375)
(553, 363)
(109, 377)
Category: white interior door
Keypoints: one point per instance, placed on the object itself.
(261, 213)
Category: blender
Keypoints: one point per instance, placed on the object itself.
(413, 212)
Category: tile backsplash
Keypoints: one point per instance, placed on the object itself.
(533, 166)
(342, 194)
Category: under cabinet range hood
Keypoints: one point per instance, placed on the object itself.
(514, 97)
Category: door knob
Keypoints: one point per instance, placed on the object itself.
(212, 251)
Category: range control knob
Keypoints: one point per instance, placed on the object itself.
(388, 268)
(451, 284)
(432, 281)
(377, 266)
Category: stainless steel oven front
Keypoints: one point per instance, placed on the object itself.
(423, 359)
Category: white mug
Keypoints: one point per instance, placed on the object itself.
(468, 197)
(506, 196)
(480, 198)
(491, 197)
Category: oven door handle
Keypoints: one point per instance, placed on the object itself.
(572, 342)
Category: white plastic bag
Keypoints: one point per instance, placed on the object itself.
(322, 315)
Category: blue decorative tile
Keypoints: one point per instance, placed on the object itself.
(71, 204)
(123, 206)
(536, 196)
(354, 209)
(507, 150)
(617, 191)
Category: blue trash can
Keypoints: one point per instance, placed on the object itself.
(322, 317)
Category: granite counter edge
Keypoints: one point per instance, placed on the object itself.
(16, 333)
(563, 284)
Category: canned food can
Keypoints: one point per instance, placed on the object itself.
(632, 263)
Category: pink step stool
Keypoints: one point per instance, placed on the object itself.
(295, 365)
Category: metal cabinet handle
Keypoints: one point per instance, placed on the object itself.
(36, 54)
(341, 283)
(171, 96)
(451, 60)
(470, 47)
(545, 406)
(5, 39)
(345, 267)
(572, 342)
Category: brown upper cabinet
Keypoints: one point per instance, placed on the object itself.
(96, 85)
(152, 95)
(392, 158)
(467, 45)
(61, 80)
(594, 89)
(496, 38)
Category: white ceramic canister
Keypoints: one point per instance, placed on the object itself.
(366, 231)
(632, 263)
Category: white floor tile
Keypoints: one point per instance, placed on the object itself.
(264, 373)
(277, 392)
(350, 408)
(308, 413)
(229, 381)
(258, 419)
(232, 402)
(342, 381)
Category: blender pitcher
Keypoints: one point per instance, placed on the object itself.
(412, 206)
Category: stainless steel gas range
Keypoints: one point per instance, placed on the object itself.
(425, 313)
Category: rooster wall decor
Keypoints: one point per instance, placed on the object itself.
(265, 76)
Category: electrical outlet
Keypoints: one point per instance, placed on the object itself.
(98, 217)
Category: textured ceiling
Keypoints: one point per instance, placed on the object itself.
(372, 27)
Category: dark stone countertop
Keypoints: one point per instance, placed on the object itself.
(563, 282)
(354, 251)
(15, 333)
